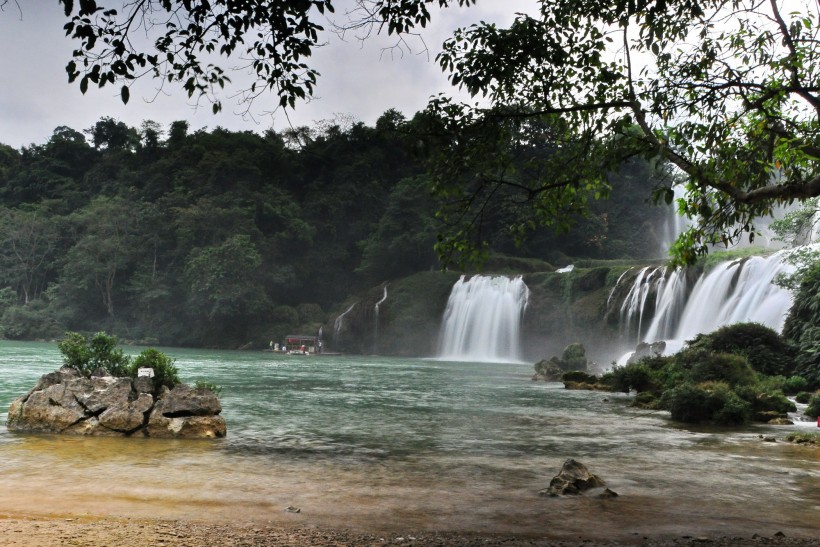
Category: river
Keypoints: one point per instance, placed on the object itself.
(374, 443)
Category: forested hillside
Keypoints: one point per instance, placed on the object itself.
(166, 236)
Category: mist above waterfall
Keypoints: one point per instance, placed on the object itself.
(482, 320)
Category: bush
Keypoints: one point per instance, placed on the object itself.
(646, 400)
(87, 355)
(813, 410)
(635, 376)
(687, 403)
(733, 410)
(795, 384)
(579, 376)
(165, 372)
(707, 402)
(803, 397)
(766, 351)
(215, 389)
(722, 367)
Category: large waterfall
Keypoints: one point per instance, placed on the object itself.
(661, 305)
(482, 320)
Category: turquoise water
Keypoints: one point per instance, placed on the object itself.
(372, 442)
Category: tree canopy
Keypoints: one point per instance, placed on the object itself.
(217, 237)
(187, 42)
(723, 92)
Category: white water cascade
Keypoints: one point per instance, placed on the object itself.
(733, 292)
(376, 320)
(482, 320)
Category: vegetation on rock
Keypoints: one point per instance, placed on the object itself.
(87, 354)
(715, 378)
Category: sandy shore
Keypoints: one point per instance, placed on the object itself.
(111, 531)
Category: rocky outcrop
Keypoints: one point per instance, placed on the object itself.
(645, 349)
(65, 402)
(574, 478)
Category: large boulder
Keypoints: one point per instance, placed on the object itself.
(574, 478)
(65, 402)
(186, 412)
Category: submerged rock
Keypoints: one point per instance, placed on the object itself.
(574, 478)
(65, 402)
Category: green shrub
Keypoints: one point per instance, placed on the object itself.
(165, 372)
(579, 376)
(100, 351)
(646, 399)
(795, 384)
(722, 367)
(803, 397)
(732, 411)
(202, 384)
(634, 376)
(813, 410)
(707, 402)
(766, 351)
(687, 403)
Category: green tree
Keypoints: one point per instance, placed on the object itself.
(104, 246)
(224, 280)
(275, 38)
(724, 92)
(28, 243)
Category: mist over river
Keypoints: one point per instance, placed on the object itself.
(387, 444)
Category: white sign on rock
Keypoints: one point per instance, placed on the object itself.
(145, 372)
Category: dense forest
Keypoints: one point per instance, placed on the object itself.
(168, 236)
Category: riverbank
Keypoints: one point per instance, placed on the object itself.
(98, 531)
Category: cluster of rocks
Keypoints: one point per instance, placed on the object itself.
(103, 405)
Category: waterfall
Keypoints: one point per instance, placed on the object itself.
(482, 320)
(376, 321)
(735, 291)
(339, 323)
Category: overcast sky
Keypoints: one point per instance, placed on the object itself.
(356, 78)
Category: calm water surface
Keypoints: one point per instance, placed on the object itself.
(404, 444)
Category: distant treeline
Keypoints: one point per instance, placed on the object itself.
(220, 238)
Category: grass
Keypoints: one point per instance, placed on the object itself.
(804, 438)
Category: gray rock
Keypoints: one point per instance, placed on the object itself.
(160, 426)
(144, 384)
(574, 478)
(64, 402)
(186, 401)
(108, 391)
(127, 416)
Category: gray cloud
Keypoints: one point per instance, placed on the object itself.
(362, 79)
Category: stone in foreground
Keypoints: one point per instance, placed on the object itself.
(574, 478)
(65, 402)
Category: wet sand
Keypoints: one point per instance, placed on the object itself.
(110, 531)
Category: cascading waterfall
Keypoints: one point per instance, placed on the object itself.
(733, 292)
(338, 324)
(482, 320)
(376, 321)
